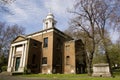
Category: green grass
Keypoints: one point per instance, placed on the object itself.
(70, 77)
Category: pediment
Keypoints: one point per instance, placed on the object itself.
(18, 39)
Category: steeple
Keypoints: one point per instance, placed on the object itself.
(49, 21)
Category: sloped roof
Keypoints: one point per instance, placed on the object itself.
(19, 38)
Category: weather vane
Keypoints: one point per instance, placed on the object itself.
(50, 9)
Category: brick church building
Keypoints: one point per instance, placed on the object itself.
(47, 51)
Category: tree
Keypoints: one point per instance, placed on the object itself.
(94, 18)
(4, 7)
(99, 58)
(77, 34)
(7, 34)
(106, 17)
(114, 53)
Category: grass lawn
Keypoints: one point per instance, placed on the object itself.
(70, 77)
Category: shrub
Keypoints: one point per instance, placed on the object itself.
(4, 68)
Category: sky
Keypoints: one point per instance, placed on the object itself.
(30, 13)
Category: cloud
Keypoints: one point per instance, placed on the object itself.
(26, 13)
(59, 7)
(24, 10)
(18, 14)
(30, 13)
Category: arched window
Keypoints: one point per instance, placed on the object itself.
(46, 25)
(53, 24)
(67, 60)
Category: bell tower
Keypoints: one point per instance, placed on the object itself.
(49, 21)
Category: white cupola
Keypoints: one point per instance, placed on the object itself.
(49, 21)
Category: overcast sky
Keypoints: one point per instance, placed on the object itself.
(30, 13)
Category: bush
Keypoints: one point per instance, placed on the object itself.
(4, 68)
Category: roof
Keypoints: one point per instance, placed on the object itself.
(22, 36)
(49, 29)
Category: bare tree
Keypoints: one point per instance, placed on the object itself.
(107, 17)
(77, 33)
(93, 18)
(7, 34)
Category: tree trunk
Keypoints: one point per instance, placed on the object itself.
(89, 64)
(109, 62)
(107, 56)
(89, 68)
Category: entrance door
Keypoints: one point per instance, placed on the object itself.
(17, 63)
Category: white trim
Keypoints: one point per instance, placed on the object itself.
(47, 31)
(41, 33)
(18, 43)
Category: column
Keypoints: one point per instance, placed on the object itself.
(10, 56)
(9, 69)
(25, 54)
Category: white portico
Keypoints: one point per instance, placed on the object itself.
(17, 56)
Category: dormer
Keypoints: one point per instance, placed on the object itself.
(49, 21)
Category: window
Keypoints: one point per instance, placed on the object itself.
(67, 60)
(45, 42)
(44, 60)
(34, 44)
